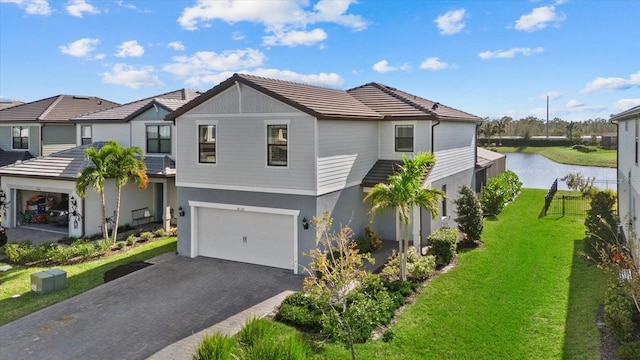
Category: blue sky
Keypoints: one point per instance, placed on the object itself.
(489, 58)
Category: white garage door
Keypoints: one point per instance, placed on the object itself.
(247, 234)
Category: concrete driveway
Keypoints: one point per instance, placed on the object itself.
(149, 313)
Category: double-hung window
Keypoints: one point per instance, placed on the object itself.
(20, 137)
(637, 138)
(404, 138)
(85, 134)
(158, 139)
(277, 146)
(207, 144)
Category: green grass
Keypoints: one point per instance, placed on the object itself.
(566, 155)
(526, 294)
(17, 299)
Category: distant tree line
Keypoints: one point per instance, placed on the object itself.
(533, 126)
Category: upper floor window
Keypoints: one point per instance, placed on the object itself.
(85, 134)
(404, 138)
(158, 139)
(20, 137)
(277, 148)
(207, 144)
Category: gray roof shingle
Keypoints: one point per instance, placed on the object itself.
(10, 157)
(382, 169)
(56, 109)
(68, 164)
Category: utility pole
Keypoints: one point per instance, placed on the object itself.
(547, 117)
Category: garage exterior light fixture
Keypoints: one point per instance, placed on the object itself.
(305, 223)
(180, 211)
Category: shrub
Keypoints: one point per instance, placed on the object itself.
(60, 254)
(131, 240)
(294, 347)
(160, 233)
(253, 331)
(24, 252)
(469, 213)
(618, 312)
(420, 267)
(103, 245)
(83, 249)
(370, 242)
(443, 244)
(300, 311)
(601, 222)
(629, 351)
(585, 148)
(120, 245)
(388, 336)
(215, 347)
(173, 231)
(499, 191)
(146, 236)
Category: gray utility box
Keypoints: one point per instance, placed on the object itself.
(48, 281)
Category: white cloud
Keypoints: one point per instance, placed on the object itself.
(539, 18)
(80, 48)
(295, 37)
(320, 79)
(553, 95)
(130, 76)
(237, 35)
(612, 83)
(625, 104)
(383, 66)
(451, 22)
(32, 7)
(433, 63)
(79, 7)
(500, 54)
(573, 103)
(130, 48)
(127, 6)
(176, 45)
(280, 18)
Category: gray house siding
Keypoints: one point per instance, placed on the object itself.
(421, 138)
(346, 152)
(57, 138)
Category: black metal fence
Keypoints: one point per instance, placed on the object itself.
(569, 205)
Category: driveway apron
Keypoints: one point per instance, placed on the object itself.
(135, 316)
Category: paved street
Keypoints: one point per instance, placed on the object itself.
(144, 313)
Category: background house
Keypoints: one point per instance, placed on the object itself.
(42, 127)
(490, 164)
(258, 158)
(629, 172)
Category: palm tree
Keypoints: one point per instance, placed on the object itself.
(404, 192)
(95, 176)
(126, 163)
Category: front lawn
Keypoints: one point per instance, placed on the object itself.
(567, 155)
(17, 299)
(525, 294)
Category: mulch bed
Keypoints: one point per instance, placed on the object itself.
(123, 270)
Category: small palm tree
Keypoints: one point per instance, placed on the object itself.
(404, 192)
(126, 163)
(95, 176)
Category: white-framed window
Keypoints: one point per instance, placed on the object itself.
(20, 137)
(158, 139)
(85, 135)
(277, 143)
(403, 138)
(207, 143)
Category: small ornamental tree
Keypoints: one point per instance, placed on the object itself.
(580, 183)
(469, 213)
(601, 222)
(336, 268)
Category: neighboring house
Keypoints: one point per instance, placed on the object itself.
(629, 173)
(42, 127)
(139, 123)
(609, 141)
(9, 103)
(258, 158)
(490, 164)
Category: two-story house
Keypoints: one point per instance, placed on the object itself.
(629, 173)
(258, 158)
(139, 123)
(42, 127)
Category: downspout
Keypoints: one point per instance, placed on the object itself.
(617, 124)
(40, 140)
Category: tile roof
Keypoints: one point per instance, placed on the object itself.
(372, 101)
(124, 113)
(10, 157)
(54, 109)
(382, 169)
(68, 164)
(394, 103)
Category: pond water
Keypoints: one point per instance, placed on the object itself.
(537, 172)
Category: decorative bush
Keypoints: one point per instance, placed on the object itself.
(160, 233)
(216, 347)
(131, 240)
(469, 213)
(146, 236)
(618, 311)
(629, 351)
(120, 245)
(300, 311)
(499, 191)
(254, 331)
(601, 222)
(370, 242)
(25, 253)
(103, 245)
(443, 244)
(420, 267)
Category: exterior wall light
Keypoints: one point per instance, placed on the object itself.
(305, 223)
(180, 211)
